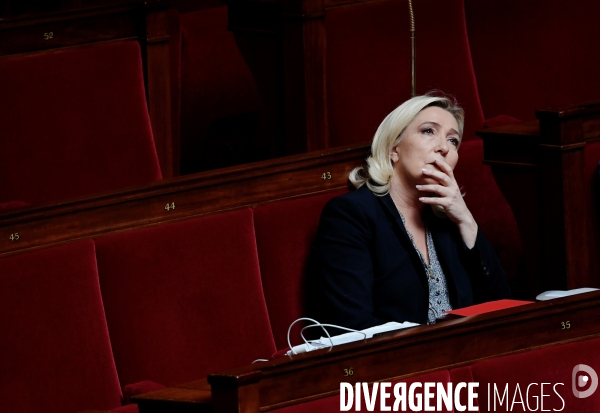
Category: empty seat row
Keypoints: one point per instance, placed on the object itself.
(169, 304)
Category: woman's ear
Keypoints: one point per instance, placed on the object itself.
(394, 156)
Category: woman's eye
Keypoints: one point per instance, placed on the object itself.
(428, 131)
(454, 141)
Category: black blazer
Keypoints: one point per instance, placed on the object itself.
(365, 270)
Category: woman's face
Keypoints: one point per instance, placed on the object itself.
(432, 135)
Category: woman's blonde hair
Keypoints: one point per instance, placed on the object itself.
(377, 173)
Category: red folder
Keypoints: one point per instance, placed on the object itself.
(487, 307)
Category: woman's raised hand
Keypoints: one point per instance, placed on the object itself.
(449, 197)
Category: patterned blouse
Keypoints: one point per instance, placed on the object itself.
(439, 300)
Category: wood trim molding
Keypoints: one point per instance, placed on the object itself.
(193, 195)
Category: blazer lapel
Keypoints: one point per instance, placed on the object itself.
(390, 208)
(393, 211)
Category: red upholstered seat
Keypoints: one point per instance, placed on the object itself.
(56, 355)
(129, 408)
(368, 63)
(184, 300)
(74, 122)
(549, 365)
(284, 234)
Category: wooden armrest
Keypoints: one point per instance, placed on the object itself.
(193, 396)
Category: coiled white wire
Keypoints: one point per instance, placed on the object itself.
(316, 324)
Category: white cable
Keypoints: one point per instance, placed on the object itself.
(302, 319)
(330, 340)
(339, 339)
(317, 324)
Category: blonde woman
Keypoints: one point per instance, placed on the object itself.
(404, 246)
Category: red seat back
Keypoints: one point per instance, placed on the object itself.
(284, 234)
(56, 354)
(74, 122)
(185, 299)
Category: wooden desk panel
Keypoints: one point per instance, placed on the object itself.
(192, 195)
(290, 380)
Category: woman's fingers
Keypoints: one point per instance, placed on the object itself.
(451, 199)
(445, 175)
(443, 165)
(440, 176)
(436, 189)
(433, 201)
(448, 192)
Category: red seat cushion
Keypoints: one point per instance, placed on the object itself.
(185, 299)
(56, 354)
(284, 234)
(130, 408)
(74, 122)
(135, 389)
